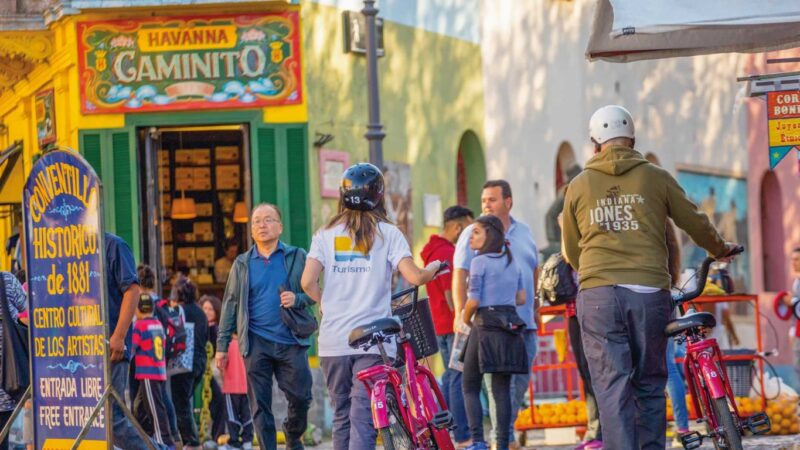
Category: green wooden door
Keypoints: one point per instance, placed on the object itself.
(112, 153)
(280, 176)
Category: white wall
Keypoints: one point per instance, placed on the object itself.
(540, 91)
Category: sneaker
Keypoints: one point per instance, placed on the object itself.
(464, 445)
(594, 444)
(478, 446)
(676, 441)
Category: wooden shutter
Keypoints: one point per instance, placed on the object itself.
(126, 192)
(112, 155)
(299, 199)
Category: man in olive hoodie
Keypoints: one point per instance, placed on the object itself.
(615, 217)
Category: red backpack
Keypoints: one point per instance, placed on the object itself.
(174, 328)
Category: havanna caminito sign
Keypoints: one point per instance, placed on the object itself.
(180, 63)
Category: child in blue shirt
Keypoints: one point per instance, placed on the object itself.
(495, 343)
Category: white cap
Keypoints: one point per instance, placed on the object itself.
(610, 122)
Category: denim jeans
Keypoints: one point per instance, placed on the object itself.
(451, 389)
(675, 389)
(519, 386)
(125, 435)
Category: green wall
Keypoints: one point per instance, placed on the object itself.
(431, 93)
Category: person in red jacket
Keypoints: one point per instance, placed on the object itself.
(441, 248)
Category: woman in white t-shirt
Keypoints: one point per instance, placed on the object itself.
(358, 251)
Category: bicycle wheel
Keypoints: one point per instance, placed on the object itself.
(395, 436)
(730, 432)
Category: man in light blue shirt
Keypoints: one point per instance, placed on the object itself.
(496, 200)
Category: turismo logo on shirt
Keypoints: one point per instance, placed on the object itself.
(345, 251)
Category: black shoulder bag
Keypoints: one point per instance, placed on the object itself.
(15, 363)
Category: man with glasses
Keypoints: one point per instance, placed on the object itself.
(262, 280)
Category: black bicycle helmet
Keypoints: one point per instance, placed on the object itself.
(362, 187)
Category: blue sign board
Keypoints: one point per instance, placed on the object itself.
(68, 321)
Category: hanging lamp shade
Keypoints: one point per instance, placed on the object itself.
(183, 208)
(240, 214)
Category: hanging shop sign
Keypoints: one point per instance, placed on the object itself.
(182, 63)
(68, 327)
(783, 117)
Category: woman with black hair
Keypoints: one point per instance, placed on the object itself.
(184, 384)
(495, 344)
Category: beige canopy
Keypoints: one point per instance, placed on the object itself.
(632, 30)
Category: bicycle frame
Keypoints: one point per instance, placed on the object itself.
(415, 396)
(708, 381)
(707, 378)
(415, 388)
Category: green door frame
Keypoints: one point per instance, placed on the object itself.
(252, 118)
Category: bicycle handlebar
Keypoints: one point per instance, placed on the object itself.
(702, 275)
(413, 290)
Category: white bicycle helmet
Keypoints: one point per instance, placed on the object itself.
(610, 122)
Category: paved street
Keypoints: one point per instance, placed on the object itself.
(754, 443)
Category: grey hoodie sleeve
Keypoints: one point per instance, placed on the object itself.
(230, 309)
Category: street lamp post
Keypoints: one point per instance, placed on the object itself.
(375, 132)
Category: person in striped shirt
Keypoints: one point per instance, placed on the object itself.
(151, 372)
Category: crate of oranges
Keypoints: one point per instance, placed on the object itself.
(552, 415)
(783, 415)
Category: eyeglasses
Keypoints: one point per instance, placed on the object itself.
(265, 221)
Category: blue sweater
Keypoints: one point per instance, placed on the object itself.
(494, 282)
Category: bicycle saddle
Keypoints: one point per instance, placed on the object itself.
(363, 335)
(689, 321)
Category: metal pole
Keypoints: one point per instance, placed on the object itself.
(375, 132)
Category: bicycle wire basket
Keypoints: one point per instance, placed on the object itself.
(740, 371)
(418, 327)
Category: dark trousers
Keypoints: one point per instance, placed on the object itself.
(353, 428)
(218, 421)
(623, 337)
(150, 411)
(183, 386)
(501, 393)
(289, 365)
(172, 418)
(240, 422)
(593, 428)
(4, 416)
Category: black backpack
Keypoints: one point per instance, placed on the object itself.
(174, 328)
(556, 283)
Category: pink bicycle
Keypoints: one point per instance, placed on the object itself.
(709, 387)
(408, 408)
